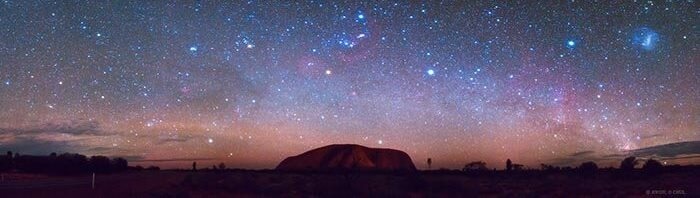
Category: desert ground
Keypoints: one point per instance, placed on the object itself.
(240, 183)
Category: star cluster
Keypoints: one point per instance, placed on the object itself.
(251, 82)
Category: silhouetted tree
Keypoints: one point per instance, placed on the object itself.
(136, 168)
(28, 163)
(194, 166)
(475, 166)
(652, 167)
(99, 164)
(518, 167)
(547, 167)
(509, 165)
(222, 166)
(588, 169)
(66, 163)
(119, 164)
(153, 168)
(628, 164)
(6, 162)
(430, 161)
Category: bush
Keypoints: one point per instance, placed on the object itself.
(588, 169)
(652, 167)
(66, 163)
(99, 164)
(475, 166)
(628, 164)
(119, 164)
(509, 165)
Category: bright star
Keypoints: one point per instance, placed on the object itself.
(361, 16)
(571, 43)
(193, 49)
(431, 72)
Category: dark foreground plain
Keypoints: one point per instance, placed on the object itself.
(241, 183)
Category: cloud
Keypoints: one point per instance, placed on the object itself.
(682, 157)
(74, 127)
(669, 150)
(100, 150)
(673, 151)
(35, 146)
(575, 158)
(651, 136)
(45, 138)
(581, 153)
(173, 138)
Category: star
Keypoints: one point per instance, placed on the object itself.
(472, 84)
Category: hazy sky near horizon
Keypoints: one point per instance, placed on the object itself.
(251, 82)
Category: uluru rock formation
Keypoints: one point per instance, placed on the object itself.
(349, 157)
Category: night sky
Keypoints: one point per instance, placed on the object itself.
(250, 83)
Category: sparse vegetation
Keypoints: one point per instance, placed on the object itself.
(588, 169)
(652, 167)
(66, 163)
(509, 165)
(475, 166)
(476, 181)
(430, 162)
(628, 164)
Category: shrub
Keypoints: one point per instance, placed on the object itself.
(652, 167)
(588, 169)
(628, 164)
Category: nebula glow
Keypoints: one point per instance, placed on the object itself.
(646, 38)
(249, 83)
